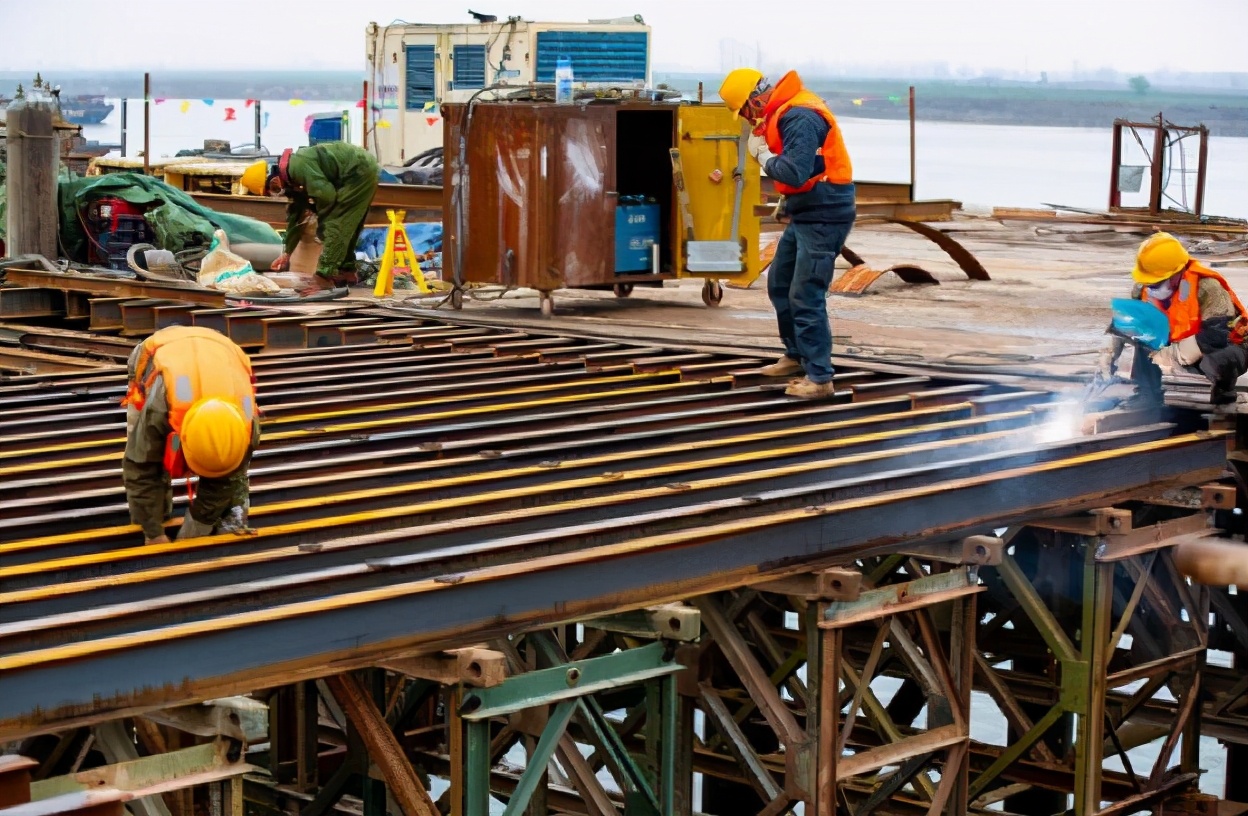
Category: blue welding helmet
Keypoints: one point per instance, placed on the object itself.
(1141, 322)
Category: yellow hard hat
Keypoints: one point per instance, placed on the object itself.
(1161, 256)
(737, 87)
(215, 437)
(255, 177)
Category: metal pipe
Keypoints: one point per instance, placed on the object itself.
(912, 144)
(1213, 561)
(125, 105)
(147, 123)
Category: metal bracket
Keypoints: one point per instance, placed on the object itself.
(977, 550)
(579, 678)
(834, 584)
(472, 666)
(904, 597)
(669, 621)
(238, 717)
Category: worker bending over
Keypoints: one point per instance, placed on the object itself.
(335, 182)
(1208, 324)
(190, 411)
(798, 143)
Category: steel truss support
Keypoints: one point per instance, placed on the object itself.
(847, 690)
(555, 706)
(843, 746)
(1111, 625)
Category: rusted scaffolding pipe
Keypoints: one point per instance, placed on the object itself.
(1216, 562)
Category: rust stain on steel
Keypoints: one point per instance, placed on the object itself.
(419, 203)
(531, 197)
(109, 286)
(960, 254)
(856, 280)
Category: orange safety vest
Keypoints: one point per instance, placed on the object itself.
(790, 93)
(1183, 311)
(195, 363)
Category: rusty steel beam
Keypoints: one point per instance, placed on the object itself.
(40, 279)
(419, 202)
(47, 688)
(25, 361)
(1214, 561)
(383, 748)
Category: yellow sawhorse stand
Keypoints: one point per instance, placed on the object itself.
(398, 258)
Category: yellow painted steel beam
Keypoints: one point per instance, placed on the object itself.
(484, 521)
(365, 517)
(315, 433)
(605, 553)
(617, 458)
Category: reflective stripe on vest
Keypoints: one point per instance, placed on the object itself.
(1183, 310)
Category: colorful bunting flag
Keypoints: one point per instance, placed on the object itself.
(294, 102)
(185, 106)
(209, 102)
(229, 115)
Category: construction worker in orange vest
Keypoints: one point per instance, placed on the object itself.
(190, 411)
(799, 146)
(1208, 324)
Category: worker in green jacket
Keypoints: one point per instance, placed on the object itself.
(336, 182)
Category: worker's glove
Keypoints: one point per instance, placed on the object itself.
(235, 521)
(1166, 358)
(781, 212)
(192, 528)
(1106, 365)
(757, 147)
(1178, 355)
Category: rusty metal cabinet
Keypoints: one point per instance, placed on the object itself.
(531, 190)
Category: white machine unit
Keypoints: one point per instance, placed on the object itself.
(414, 68)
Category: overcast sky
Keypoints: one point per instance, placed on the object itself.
(1017, 35)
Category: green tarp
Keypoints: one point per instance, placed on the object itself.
(178, 221)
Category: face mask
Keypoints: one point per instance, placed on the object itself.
(1161, 291)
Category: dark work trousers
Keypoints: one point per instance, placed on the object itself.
(797, 284)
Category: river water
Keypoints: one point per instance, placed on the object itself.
(980, 165)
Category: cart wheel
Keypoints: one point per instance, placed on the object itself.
(712, 293)
(457, 299)
(548, 304)
(623, 289)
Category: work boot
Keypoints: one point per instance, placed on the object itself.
(806, 389)
(347, 277)
(786, 366)
(1222, 396)
(313, 284)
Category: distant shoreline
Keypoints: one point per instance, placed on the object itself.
(1224, 112)
(1220, 123)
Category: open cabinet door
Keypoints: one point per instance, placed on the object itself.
(579, 197)
(707, 139)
